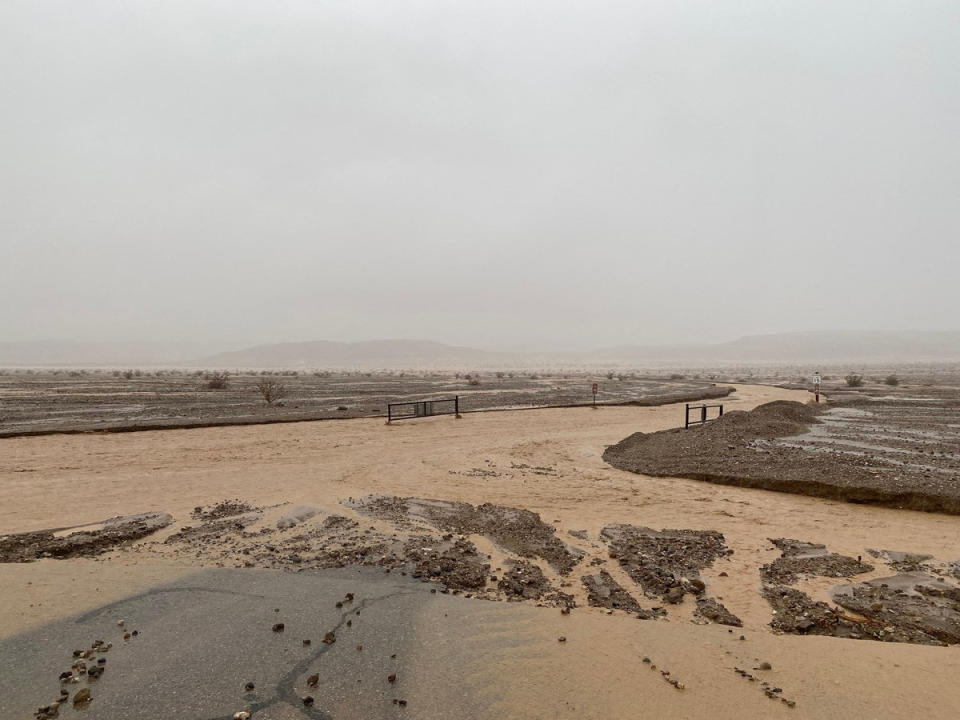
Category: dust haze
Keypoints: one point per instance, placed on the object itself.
(551, 176)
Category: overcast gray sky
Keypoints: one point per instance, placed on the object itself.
(498, 174)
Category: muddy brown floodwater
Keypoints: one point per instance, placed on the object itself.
(590, 591)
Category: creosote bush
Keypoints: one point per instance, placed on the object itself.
(854, 380)
(217, 380)
(270, 389)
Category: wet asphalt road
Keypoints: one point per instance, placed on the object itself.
(203, 638)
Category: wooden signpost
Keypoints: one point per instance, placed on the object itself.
(595, 394)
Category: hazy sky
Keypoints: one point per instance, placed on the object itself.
(499, 174)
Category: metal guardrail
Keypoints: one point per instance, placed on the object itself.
(423, 408)
(687, 422)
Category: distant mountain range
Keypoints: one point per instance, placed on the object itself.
(786, 348)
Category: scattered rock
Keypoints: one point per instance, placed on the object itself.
(711, 609)
(604, 591)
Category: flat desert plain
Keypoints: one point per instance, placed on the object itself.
(325, 497)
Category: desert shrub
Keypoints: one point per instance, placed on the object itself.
(270, 389)
(474, 381)
(610, 376)
(676, 376)
(892, 380)
(500, 375)
(128, 374)
(534, 376)
(854, 380)
(217, 380)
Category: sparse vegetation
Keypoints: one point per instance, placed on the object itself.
(676, 376)
(854, 380)
(270, 389)
(892, 380)
(217, 380)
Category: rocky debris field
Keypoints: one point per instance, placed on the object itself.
(666, 564)
(801, 558)
(521, 532)
(524, 559)
(81, 542)
(911, 606)
(901, 451)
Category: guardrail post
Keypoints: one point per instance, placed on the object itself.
(721, 411)
(686, 417)
(703, 414)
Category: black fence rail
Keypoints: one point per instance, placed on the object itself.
(423, 408)
(701, 411)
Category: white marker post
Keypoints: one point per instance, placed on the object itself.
(816, 386)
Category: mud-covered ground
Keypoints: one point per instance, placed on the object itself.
(499, 553)
(78, 400)
(896, 447)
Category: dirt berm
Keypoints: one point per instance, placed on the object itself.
(742, 448)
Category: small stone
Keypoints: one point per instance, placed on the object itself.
(308, 700)
(127, 636)
(402, 703)
(742, 637)
(562, 638)
(646, 660)
(359, 647)
(306, 641)
(339, 604)
(278, 627)
(674, 595)
(249, 687)
(313, 680)
(349, 623)
(120, 623)
(329, 638)
(765, 666)
(724, 574)
(101, 661)
(242, 715)
(83, 696)
(392, 677)
(349, 597)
